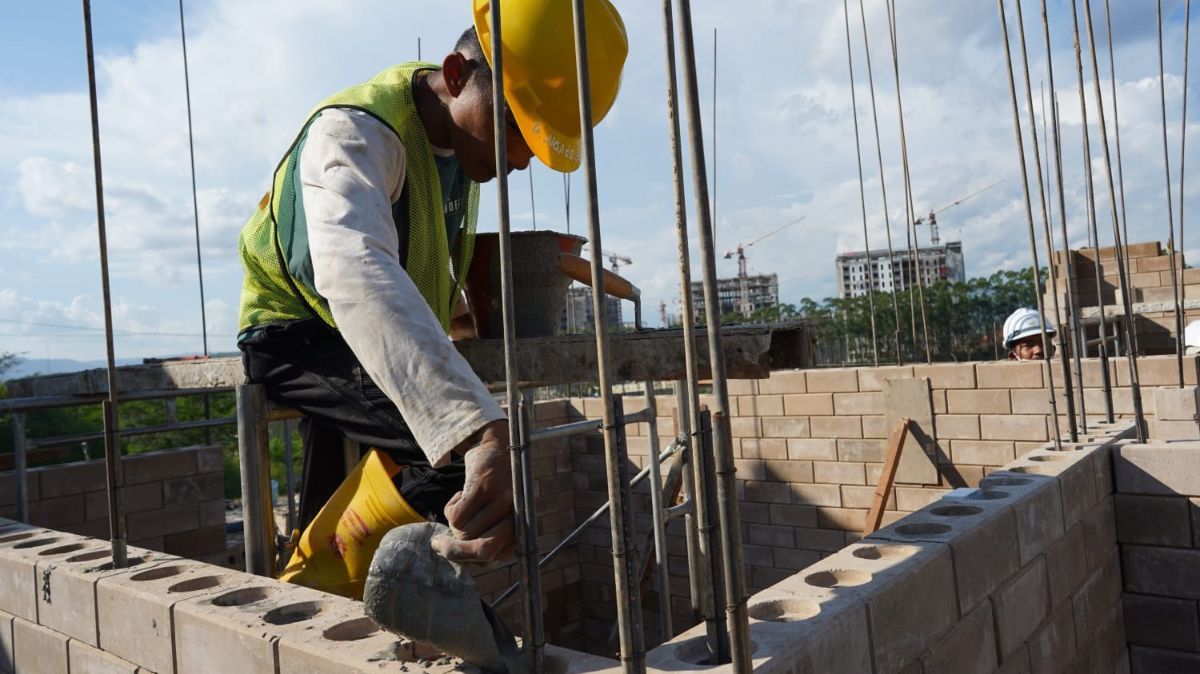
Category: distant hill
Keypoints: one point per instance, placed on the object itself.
(27, 367)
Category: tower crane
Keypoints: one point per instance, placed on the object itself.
(931, 219)
(616, 260)
(743, 277)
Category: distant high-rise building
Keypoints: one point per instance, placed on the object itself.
(856, 271)
(762, 291)
(578, 315)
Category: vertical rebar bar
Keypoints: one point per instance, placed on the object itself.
(532, 603)
(1037, 158)
(862, 190)
(533, 607)
(887, 221)
(718, 642)
(910, 210)
(1089, 184)
(1075, 328)
(1187, 39)
(1033, 254)
(632, 655)
(628, 618)
(1174, 255)
(728, 507)
(20, 444)
(1112, 65)
(699, 556)
(255, 462)
(659, 518)
(112, 442)
(289, 475)
(1135, 388)
(690, 537)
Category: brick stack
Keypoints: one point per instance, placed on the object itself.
(1158, 528)
(173, 500)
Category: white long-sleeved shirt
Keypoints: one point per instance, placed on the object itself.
(352, 170)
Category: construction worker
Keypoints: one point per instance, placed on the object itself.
(1023, 335)
(354, 261)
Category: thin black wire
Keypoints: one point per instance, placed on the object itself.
(187, 88)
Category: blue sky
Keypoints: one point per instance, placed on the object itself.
(785, 144)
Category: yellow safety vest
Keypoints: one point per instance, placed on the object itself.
(278, 283)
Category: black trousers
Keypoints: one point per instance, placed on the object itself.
(307, 365)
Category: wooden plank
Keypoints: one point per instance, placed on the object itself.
(890, 463)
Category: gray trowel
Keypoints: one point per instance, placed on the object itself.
(413, 591)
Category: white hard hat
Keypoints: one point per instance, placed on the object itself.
(1022, 323)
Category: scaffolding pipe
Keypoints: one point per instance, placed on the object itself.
(734, 571)
(1102, 345)
(1176, 257)
(1037, 159)
(633, 657)
(1135, 387)
(658, 521)
(700, 555)
(862, 191)
(1037, 281)
(1072, 309)
(887, 218)
(112, 444)
(20, 444)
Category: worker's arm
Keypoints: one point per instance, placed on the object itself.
(462, 323)
(352, 170)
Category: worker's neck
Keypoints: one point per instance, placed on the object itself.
(433, 107)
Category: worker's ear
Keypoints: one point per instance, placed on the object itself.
(456, 72)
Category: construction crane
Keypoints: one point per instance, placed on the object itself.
(616, 260)
(931, 219)
(743, 277)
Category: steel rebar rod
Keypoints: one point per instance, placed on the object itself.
(1072, 309)
(578, 530)
(887, 223)
(628, 604)
(910, 210)
(862, 190)
(659, 521)
(699, 555)
(1174, 255)
(1135, 388)
(20, 445)
(1033, 254)
(518, 450)
(1089, 185)
(1187, 37)
(1112, 65)
(733, 570)
(112, 444)
(1049, 240)
(530, 558)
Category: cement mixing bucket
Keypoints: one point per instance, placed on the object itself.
(539, 286)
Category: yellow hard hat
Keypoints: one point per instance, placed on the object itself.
(540, 82)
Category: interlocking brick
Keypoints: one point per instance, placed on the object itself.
(39, 650)
(71, 478)
(864, 497)
(1165, 470)
(969, 647)
(157, 466)
(768, 492)
(985, 556)
(808, 404)
(790, 381)
(858, 403)
(7, 664)
(837, 380)
(764, 448)
(1066, 564)
(875, 426)
(957, 426)
(155, 523)
(1035, 401)
(836, 427)
(1153, 520)
(793, 515)
(1166, 572)
(982, 452)
(851, 449)
(1159, 661)
(1054, 643)
(745, 427)
(948, 376)
(1010, 374)
(1176, 404)
(1161, 622)
(789, 471)
(909, 499)
(84, 658)
(972, 401)
(1030, 427)
(785, 427)
(812, 448)
(838, 472)
(760, 405)
(872, 378)
(816, 494)
(770, 535)
(902, 629)
(1020, 606)
(846, 519)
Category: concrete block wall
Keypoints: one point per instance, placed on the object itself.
(809, 448)
(1158, 528)
(173, 500)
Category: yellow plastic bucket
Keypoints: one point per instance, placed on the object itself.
(335, 551)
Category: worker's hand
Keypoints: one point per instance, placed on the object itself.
(481, 514)
(462, 322)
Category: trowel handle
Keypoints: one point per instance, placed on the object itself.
(581, 270)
